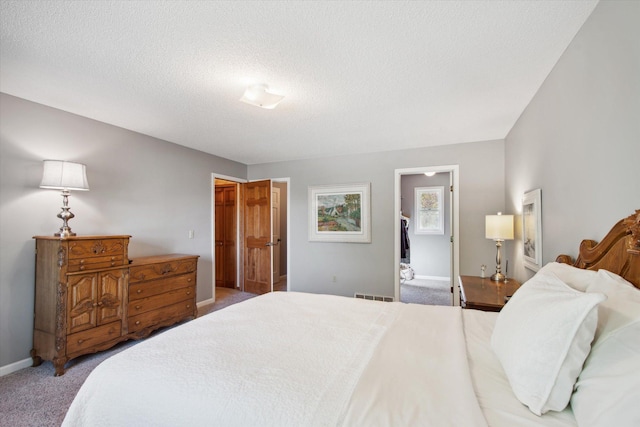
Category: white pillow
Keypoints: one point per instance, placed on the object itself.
(622, 305)
(542, 337)
(577, 278)
(608, 389)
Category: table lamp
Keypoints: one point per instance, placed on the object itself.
(65, 176)
(499, 228)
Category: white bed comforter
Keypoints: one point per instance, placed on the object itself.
(291, 359)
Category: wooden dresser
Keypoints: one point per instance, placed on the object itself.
(83, 299)
(162, 291)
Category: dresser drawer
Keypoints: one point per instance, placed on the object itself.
(97, 248)
(167, 315)
(154, 287)
(81, 341)
(157, 301)
(93, 263)
(158, 270)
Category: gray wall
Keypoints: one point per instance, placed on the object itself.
(370, 267)
(151, 189)
(430, 254)
(579, 138)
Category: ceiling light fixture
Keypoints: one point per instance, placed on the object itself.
(429, 173)
(260, 96)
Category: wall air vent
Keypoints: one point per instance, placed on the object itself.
(373, 297)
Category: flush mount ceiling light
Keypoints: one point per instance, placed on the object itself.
(429, 173)
(260, 96)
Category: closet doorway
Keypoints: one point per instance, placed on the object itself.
(246, 255)
(226, 233)
(426, 255)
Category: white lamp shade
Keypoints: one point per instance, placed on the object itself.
(61, 175)
(260, 96)
(499, 227)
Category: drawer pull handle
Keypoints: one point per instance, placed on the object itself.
(189, 279)
(139, 291)
(188, 292)
(113, 258)
(137, 307)
(188, 305)
(137, 322)
(81, 261)
(112, 264)
(82, 267)
(80, 341)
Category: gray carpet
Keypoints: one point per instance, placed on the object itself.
(428, 292)
(34, 397)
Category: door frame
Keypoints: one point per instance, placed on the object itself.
(288, 199)
(454, 171)
(237, 180)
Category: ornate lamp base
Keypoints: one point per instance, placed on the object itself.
(65, 215)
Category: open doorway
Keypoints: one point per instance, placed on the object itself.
(232, 249)
(280, 232)
(226, 233)
(426, 239)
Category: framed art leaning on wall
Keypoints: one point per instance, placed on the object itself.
(340, 213)
(532, 229)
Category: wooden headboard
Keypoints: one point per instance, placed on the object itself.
(618, 252)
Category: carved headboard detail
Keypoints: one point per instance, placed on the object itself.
(618, 252)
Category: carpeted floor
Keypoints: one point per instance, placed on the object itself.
(34, 397)
(424, 291)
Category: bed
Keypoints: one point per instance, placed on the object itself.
(295, 359)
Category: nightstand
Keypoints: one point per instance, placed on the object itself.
(485, 294)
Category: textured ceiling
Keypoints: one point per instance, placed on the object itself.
(358, 76)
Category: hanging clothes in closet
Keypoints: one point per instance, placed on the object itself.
(404, 240)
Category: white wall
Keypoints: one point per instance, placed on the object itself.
(370, 267)
(430, 254)
(579, 138)
(151, 189)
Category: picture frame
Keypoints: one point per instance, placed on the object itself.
(340, 213)
(429, 210)
(532, 229)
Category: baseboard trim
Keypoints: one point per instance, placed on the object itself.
(205, 302)
(16, 366)
(419, 276)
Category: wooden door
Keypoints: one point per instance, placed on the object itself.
(225, 235)
(229, 244)
(219, 235)
(258, 275)
(110, 299)
(275, 229)
(82, 300)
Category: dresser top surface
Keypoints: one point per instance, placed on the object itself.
(87, 237)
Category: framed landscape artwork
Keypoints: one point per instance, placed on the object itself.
(340, 213)
(532, 229)
(429, 206)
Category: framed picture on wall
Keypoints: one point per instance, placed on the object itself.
(340, 213)
(429, 206)
(532, 229)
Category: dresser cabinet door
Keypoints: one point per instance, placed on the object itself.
(82, 293)
(110, 295)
